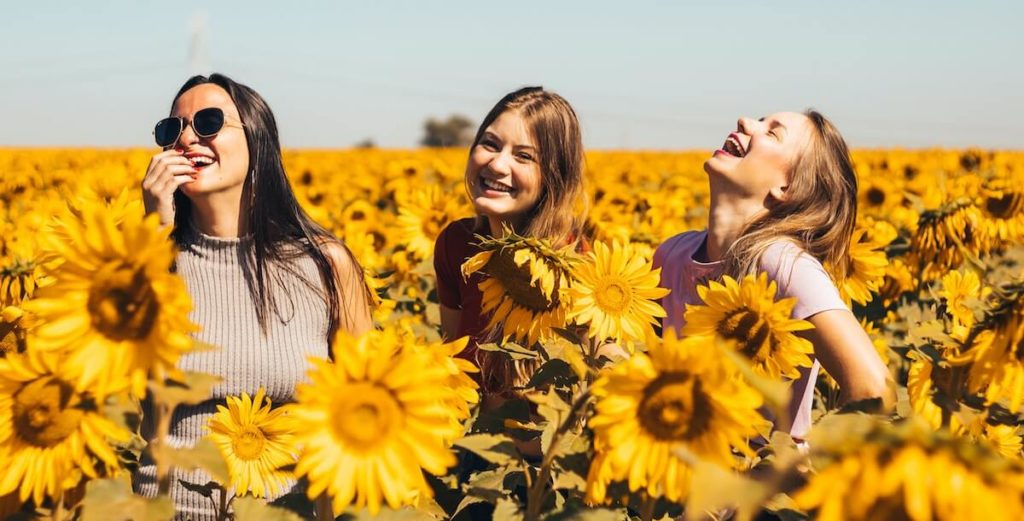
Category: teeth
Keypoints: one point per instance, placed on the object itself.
(495, 185)
(201, 160)
(733, 146)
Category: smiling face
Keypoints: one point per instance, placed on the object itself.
(761, 154)
(222, 159)
(504, 173)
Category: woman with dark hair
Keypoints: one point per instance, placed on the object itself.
(269, 286)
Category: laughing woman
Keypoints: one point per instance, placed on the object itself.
(269, 286)
(783, 200)
(525, 172)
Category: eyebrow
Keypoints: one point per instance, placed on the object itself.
(492, 135)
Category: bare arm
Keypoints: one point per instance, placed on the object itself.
(355, 317)
(846, 352)
(449, 322)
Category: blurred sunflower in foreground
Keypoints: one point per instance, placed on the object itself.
(115, 312)
(866, 469)
(52, 436)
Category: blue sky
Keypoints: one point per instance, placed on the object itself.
(641, 74)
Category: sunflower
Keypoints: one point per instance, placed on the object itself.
(865, 270)
(908, 471)
(995, 350)
(115, 311)
(958, 290)
(747, 314)
(898, 280)
(615, 294)
(945, 237)
(682, 392)
(372, 421)
(50, 434)
(256, 442)
(422, 217)
(525, 289)
(1002, 208)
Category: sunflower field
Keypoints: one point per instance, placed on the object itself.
(607, 420)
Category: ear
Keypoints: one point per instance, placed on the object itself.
(777, 194)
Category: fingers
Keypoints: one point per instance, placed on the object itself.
(162, 160)
(167, 184)
(164, 168)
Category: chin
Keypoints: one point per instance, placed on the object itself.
(712, 168)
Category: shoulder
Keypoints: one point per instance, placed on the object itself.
(785, 257)
(339, 256)
(678, 247)
(455, 240)
(801, 276)
(461, 229)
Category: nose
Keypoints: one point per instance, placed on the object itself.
(743, 125)
(188, 135)
(500, 164)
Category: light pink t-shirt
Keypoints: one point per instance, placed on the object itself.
(797, 274)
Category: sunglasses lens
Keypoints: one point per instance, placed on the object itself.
(167, 131)
(208, 122)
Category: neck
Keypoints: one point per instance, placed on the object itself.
(495, 224)
(220, 215)
(729, 213)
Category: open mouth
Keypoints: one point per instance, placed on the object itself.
(733, 146)
(494, 186)
(199, 161)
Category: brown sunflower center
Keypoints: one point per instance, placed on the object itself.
(45, 412)
(122, 302)
(247, 444)
(614, 296)
(1006, 205)
(674, 407)
(516, 282)
(366, 416)
(876, 196)
(749, 329)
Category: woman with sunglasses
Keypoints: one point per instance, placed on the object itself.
(269, 286)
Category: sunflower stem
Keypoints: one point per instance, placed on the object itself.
(222, 514)
(536, 493)
(163, 429)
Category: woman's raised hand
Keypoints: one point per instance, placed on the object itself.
(167, 171)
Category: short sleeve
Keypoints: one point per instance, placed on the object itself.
(447, 273)
(801, 276)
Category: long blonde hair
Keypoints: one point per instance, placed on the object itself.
(560, 213)
(819, 211)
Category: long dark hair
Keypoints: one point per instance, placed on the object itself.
(279, 226)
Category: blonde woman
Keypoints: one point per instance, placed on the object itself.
(783, 200)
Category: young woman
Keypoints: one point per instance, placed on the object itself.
(783, 200)
(525, 171)
(269, 286)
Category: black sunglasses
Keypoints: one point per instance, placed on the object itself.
(206, 123)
